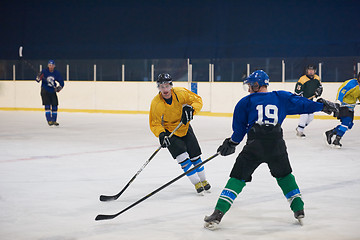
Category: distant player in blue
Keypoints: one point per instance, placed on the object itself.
(348, 93)
(260, 115)
(51, 83)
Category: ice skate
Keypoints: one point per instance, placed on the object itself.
(336, 143)
(328, 137)
(300, 134)
(55, 123)
(50, 123)
(206, 186)
(199, 188)
(212, 221)
(299, 215)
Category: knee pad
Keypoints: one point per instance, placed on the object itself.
(182, 157)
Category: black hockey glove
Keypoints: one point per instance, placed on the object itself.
(318, 91)
(330, 107)
(227, 148)
(187, 114)
(58, 88)
(164, 139)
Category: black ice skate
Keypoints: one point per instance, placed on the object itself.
(299, 215)
(206, 185)
(336, 143)
(199, 188)
(55, 123)
(300, 134)
(328, 136)
(212, 221)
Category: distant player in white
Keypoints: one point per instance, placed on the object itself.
(308, 86)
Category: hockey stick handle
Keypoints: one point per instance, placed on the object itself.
(108, 217)
(349, 104)
(105, 198)
(157, 150)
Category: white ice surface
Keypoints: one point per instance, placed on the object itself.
(51, 179)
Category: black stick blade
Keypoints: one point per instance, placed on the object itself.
(105, 198)
(104, 217)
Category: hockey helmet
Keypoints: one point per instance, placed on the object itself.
(257, 79)
(164, 78)
(311, 67)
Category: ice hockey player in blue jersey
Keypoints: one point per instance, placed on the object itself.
(348, 94)
(51, 83)
(260, 115)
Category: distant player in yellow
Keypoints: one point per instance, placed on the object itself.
(168, 108)
(308, 86)
(348, 93)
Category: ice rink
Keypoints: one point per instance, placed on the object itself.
(51, 179)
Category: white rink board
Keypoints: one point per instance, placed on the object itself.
(132, 96)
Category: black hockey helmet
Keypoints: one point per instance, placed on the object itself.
(310, 66)
(164, 78)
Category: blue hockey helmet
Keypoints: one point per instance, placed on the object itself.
(257, 79)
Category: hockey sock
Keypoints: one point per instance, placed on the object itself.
(200, 171)
(291, 191)
(48, 113)
(229, 193)
(186, 165)
(54, 113)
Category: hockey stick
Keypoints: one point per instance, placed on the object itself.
(107, 217)
(105, 198)
(349, 104)
(39, 75)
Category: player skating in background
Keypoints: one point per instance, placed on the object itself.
(168, 108)
(348, 93)
(51, 83)
(260, 115)
(308, 86)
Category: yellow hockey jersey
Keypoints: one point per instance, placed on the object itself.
(349, 92)
(164, 116)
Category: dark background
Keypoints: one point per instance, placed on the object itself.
(179, 29)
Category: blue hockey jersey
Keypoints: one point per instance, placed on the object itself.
(268, 108)
(50, 78)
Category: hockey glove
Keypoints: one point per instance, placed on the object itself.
(227, 148)
(164, 139)
(330, 107)
(187, 114)
(318, 91)
(58, 88)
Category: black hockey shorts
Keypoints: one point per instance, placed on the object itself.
(187, 143)
(49, 98)
(346, 112)
(262, 147)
